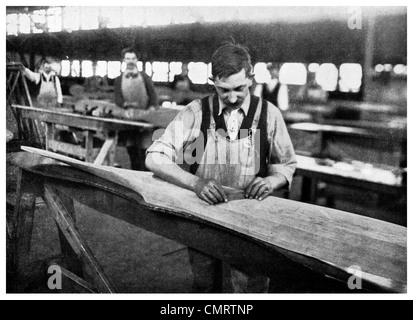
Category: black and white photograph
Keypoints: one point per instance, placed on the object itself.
(205, 150)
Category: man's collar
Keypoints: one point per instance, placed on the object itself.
(244, 107)
(128, 73)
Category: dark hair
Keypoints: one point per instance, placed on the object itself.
(129, 50)
(231, 59)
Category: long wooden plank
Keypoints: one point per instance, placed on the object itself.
(157, 118)
(337, 238)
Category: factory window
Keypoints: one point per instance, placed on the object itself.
(12, 24)
(89, 18)
(198, 72)
(158, 17)
(293, 74)
(388, 67)
(182, 15)
(350, 77)
(313, 67)
(114, 69)
(110, 17)
(65, 68)
(210, 74)
(54, 19)
(39, 21)
(400, 69)
(75, 69)
(160, 71)
(101, 68)
(262, 75)
(24, 23)
(327, 76)
(175, 68)
(148, 68)
(132, 16)
(87, 69)
(71, 18)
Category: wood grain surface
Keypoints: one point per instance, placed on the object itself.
(340, 239)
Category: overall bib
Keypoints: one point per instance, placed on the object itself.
(232, 163)
(47, 97)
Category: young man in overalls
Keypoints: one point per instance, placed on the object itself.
(50, 91)
(246, 147)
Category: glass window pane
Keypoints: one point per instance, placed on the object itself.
(101, 68)
(175, 68)
(198, 72)
(293, 74)
(210, 74)
(65, 68)
(39, 20)
(182, 15)
(313, 67)
(160, 71)
(71, 18)
(89, 18)
(158, 16)
(262, 75)
(351, 75)
(114, 69)
(12, 24)
(87, 69)
(75, 68)
(24, 23)
(327, 76)
(110, 17)
(54, 19)
(132, 16)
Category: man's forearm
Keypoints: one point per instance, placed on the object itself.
(277, 181)
(163, 167)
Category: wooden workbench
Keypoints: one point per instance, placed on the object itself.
(361, 136)
(107, 128)
(249, 234)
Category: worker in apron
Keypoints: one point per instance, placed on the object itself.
(49, 96)
(50, 91)
(230, 139)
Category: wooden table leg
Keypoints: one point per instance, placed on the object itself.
(112, 150)
(76, 240)
(22, 228)
(104, 152)
(309, 190)
(72, 260)
(89, 146)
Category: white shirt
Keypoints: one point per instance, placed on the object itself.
(234, 118)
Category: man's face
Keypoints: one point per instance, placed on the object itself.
(234, 89)
(47, 68)
(130, 59)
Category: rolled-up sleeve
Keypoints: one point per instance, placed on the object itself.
(181, 132)
(282, 158)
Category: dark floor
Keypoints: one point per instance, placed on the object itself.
(141, 262)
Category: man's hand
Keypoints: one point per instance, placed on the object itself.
(259, 188)
(210, 191)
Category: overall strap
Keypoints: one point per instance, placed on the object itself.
(263, 142)
(205, 124)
